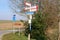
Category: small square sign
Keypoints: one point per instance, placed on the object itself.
(14, 17)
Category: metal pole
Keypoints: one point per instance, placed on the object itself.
(29, 27)
(13, 28)
(14, 20)
(19, 31)
(29, 36)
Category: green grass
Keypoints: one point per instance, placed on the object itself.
(14, 37)
(7, 21)
(4, 21)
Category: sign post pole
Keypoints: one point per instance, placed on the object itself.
(31, 9)
(14, 19)
(30, 26)
(19, 31)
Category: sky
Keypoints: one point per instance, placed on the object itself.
(5, 13)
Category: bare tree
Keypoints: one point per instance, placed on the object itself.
(17, 6)
(50, 8)
(59, 17)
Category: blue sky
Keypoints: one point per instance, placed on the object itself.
(5, 13)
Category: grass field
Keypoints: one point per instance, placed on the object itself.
(14, 37)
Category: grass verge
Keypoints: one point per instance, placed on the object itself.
(15, 36)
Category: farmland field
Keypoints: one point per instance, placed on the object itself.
(7, 24)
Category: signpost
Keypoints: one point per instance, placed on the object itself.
(14, 19)
(31, 10)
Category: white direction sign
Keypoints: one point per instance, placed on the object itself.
(28, 4)
(32, 8)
